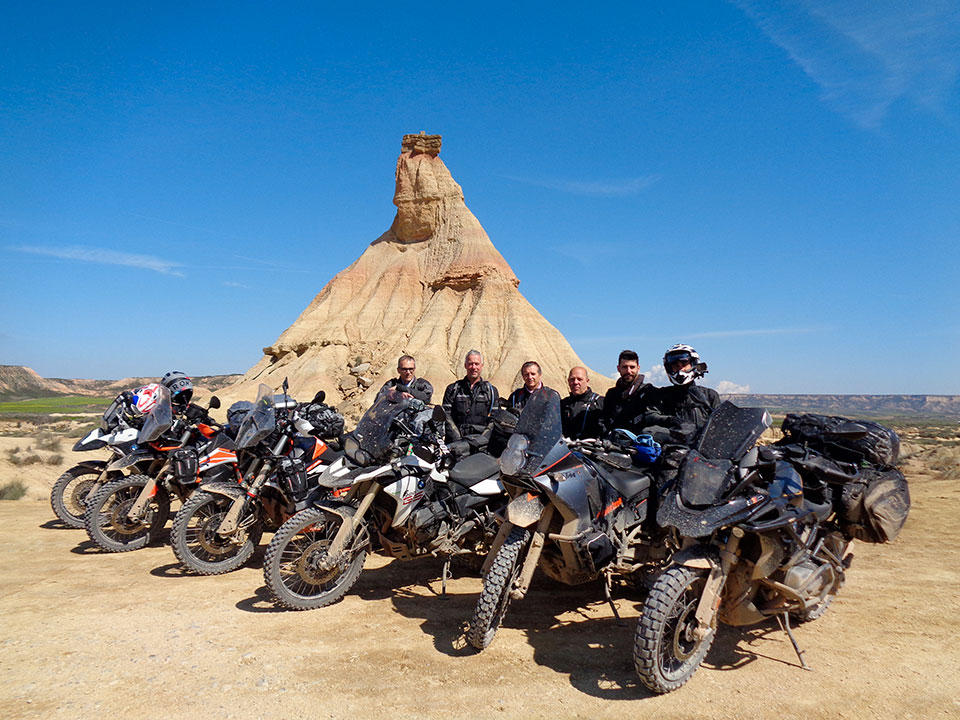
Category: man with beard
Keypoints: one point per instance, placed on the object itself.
(626, 402)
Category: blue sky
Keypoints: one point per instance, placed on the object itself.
(775, 183)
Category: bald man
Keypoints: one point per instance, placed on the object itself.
(581, 410)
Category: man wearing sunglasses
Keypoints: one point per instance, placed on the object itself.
(408, 385)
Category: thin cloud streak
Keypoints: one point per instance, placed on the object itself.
(607, 188)
(626, 340)
(745, 333)
(867, 55)
(105, 257)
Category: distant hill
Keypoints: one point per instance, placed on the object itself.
(921, 406)
(18, 382)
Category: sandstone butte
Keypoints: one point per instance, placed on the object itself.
(432, 286)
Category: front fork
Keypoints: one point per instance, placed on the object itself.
(231, 521)
(347, 529)
(150, 489)
(522, 583)
(712, 592)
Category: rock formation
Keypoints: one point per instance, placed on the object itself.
(432, 286)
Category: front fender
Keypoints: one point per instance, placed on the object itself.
(95, 465)
(525, 509)
(128, 460)
(698, 556)
(230, 490)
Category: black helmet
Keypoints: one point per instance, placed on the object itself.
(180, 386)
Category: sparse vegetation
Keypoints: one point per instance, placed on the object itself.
(21, 458)
(13, 490)
(54, 459)
(47, 441)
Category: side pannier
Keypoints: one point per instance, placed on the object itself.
(830, 434)
(874, 507)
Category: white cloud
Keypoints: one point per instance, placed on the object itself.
(726, 387)
(609, 188)
(868, 54)
(106, 257)
(656, 375)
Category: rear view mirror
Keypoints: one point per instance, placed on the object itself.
(319, 397)
(214, 403)
(439, 414)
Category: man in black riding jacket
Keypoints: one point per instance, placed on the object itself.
(408, 384)
(532, 382)
(682, 408)
(581, 410)
(468, 401)
(626, 402)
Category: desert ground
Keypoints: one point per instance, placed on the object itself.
(130, 635)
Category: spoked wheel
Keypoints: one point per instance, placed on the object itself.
(497, 584)
(668, 649)
(199, 546)
(107, 515)
(294, 567)
(70, 493)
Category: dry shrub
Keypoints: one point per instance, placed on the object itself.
(29, 457)
(13, 490)
(47, 441)
(54, 459)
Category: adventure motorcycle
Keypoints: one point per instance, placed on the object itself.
(762, 539)
(219, 527)
(403, 502)
(128, 512)
(578, 510)
(117, 432)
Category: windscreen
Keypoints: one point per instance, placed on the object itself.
(259, 422)
(539, 423)
(159, 420)
(731, 431)
(374, 433)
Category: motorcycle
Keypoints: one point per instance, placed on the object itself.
(405, 501)
(118, 433)
(762, 540)
(128, 512)
(578, 510)
(220, 525)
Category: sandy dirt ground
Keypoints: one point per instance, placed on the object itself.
(88, 633)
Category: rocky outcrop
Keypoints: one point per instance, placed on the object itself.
(433, 286)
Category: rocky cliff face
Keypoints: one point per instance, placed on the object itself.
(432, 286)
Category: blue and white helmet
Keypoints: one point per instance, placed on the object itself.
(683, 365)
(179, 385)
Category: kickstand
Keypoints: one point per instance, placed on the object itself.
(784, 621)
(606, 592)
(444, 574)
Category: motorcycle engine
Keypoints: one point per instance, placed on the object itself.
(428, 522)
(807, 578)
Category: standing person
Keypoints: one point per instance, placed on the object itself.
(683, 406)
(626, 402)
(532, 381)
(581, 411)
(468, 401)
(408, 384)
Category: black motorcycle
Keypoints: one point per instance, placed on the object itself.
(766, 535)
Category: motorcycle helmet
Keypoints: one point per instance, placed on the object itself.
(144, 399)
(180, 386)
(675, 363)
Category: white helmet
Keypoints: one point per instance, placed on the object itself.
(683, 365)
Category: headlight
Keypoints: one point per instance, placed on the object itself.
(514, 457)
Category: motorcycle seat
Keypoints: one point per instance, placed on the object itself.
(625, 482)
(474, 468)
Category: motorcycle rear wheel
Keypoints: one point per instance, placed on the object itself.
(197, 544)
(666, 651)
(106, 515)
(497, 583)
(69, 494)
(290, 568)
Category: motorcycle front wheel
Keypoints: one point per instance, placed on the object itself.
(70, 493)
(497, 583)
(292, 567)
(199, 546)
(666, 649)
(106, 516)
